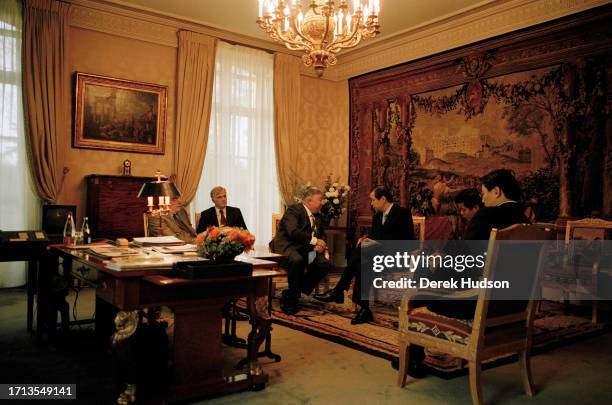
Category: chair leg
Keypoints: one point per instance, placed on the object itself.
(475, 387)
(404, 359)
(594, 313)
(525, 364)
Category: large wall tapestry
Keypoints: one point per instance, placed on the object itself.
(535, 102)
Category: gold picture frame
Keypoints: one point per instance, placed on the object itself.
(119, 115)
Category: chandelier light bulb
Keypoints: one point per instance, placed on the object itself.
(320, 30)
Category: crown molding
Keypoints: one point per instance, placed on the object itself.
(484, 20)
(145, 25)
(463, 28)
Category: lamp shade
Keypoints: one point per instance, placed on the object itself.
(158, 189)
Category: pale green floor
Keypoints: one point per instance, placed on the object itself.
(315, 371)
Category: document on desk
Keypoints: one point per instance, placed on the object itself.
(141, 262)
(158, 241)
(182, 249)
(110, 251)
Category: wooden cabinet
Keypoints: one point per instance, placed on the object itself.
(113, 206)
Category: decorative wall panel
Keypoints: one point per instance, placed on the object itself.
(535, 102)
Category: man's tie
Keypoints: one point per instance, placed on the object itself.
(223, 219)
(313, 224)
(384, 218)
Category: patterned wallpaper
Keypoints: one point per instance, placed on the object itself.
(324, 130)
(124, 58)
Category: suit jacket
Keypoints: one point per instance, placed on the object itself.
(397, 226)
(498, 217)
(294, 231)
(209, 218)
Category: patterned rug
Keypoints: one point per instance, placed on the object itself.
(379, 338)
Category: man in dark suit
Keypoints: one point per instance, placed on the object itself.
(299, 237)
(221, 213)
(390, 222)
(501, 194)
(468, 203)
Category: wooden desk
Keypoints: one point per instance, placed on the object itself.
(197, 308)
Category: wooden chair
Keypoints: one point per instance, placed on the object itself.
(419, 226)
(276, 218)
(587, 229)
(489, 335)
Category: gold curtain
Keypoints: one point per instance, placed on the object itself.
(196, 69)
(286, 116)
(46, 83)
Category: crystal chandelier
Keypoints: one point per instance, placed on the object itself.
(323, 30)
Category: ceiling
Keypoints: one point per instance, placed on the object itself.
(238, 16)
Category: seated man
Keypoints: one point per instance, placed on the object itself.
(469, 202)
(221, 213)
(500, 195)
(299, 238)
(390, 222)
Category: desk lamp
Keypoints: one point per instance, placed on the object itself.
(161, 191)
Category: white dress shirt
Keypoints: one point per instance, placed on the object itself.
(386, 213)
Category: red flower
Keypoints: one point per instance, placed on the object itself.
(200, 238)
(213, 232)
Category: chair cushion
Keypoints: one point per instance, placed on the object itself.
(422, 320)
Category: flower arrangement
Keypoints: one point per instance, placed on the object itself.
(335, 196)
(224, 242)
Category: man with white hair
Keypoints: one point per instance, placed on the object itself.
(299, 237)
(221, 214)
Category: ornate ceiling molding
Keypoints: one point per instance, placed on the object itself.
(122, 25)
(462, 28)
(490, 20)
(147, 26)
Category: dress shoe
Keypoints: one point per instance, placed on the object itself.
(363, 316)
(288, 304)
(331, 296)
(290, 308)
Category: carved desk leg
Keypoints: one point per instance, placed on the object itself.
(126, 324)
(260, 326)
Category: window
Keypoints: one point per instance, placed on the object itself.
(18, 203)
(240, 154)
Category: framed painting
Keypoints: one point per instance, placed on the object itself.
(116, 114)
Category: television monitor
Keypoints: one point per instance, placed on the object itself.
(54, 218)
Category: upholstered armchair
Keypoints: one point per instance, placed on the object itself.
(497, 328)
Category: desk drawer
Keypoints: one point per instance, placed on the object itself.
(107, 288)
(89, 275)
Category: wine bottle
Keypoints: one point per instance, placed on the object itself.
(69, 231)
(85, 231)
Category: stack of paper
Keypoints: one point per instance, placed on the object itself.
(158, 241)
(109, 251)
(182, 249)
(140, 262)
